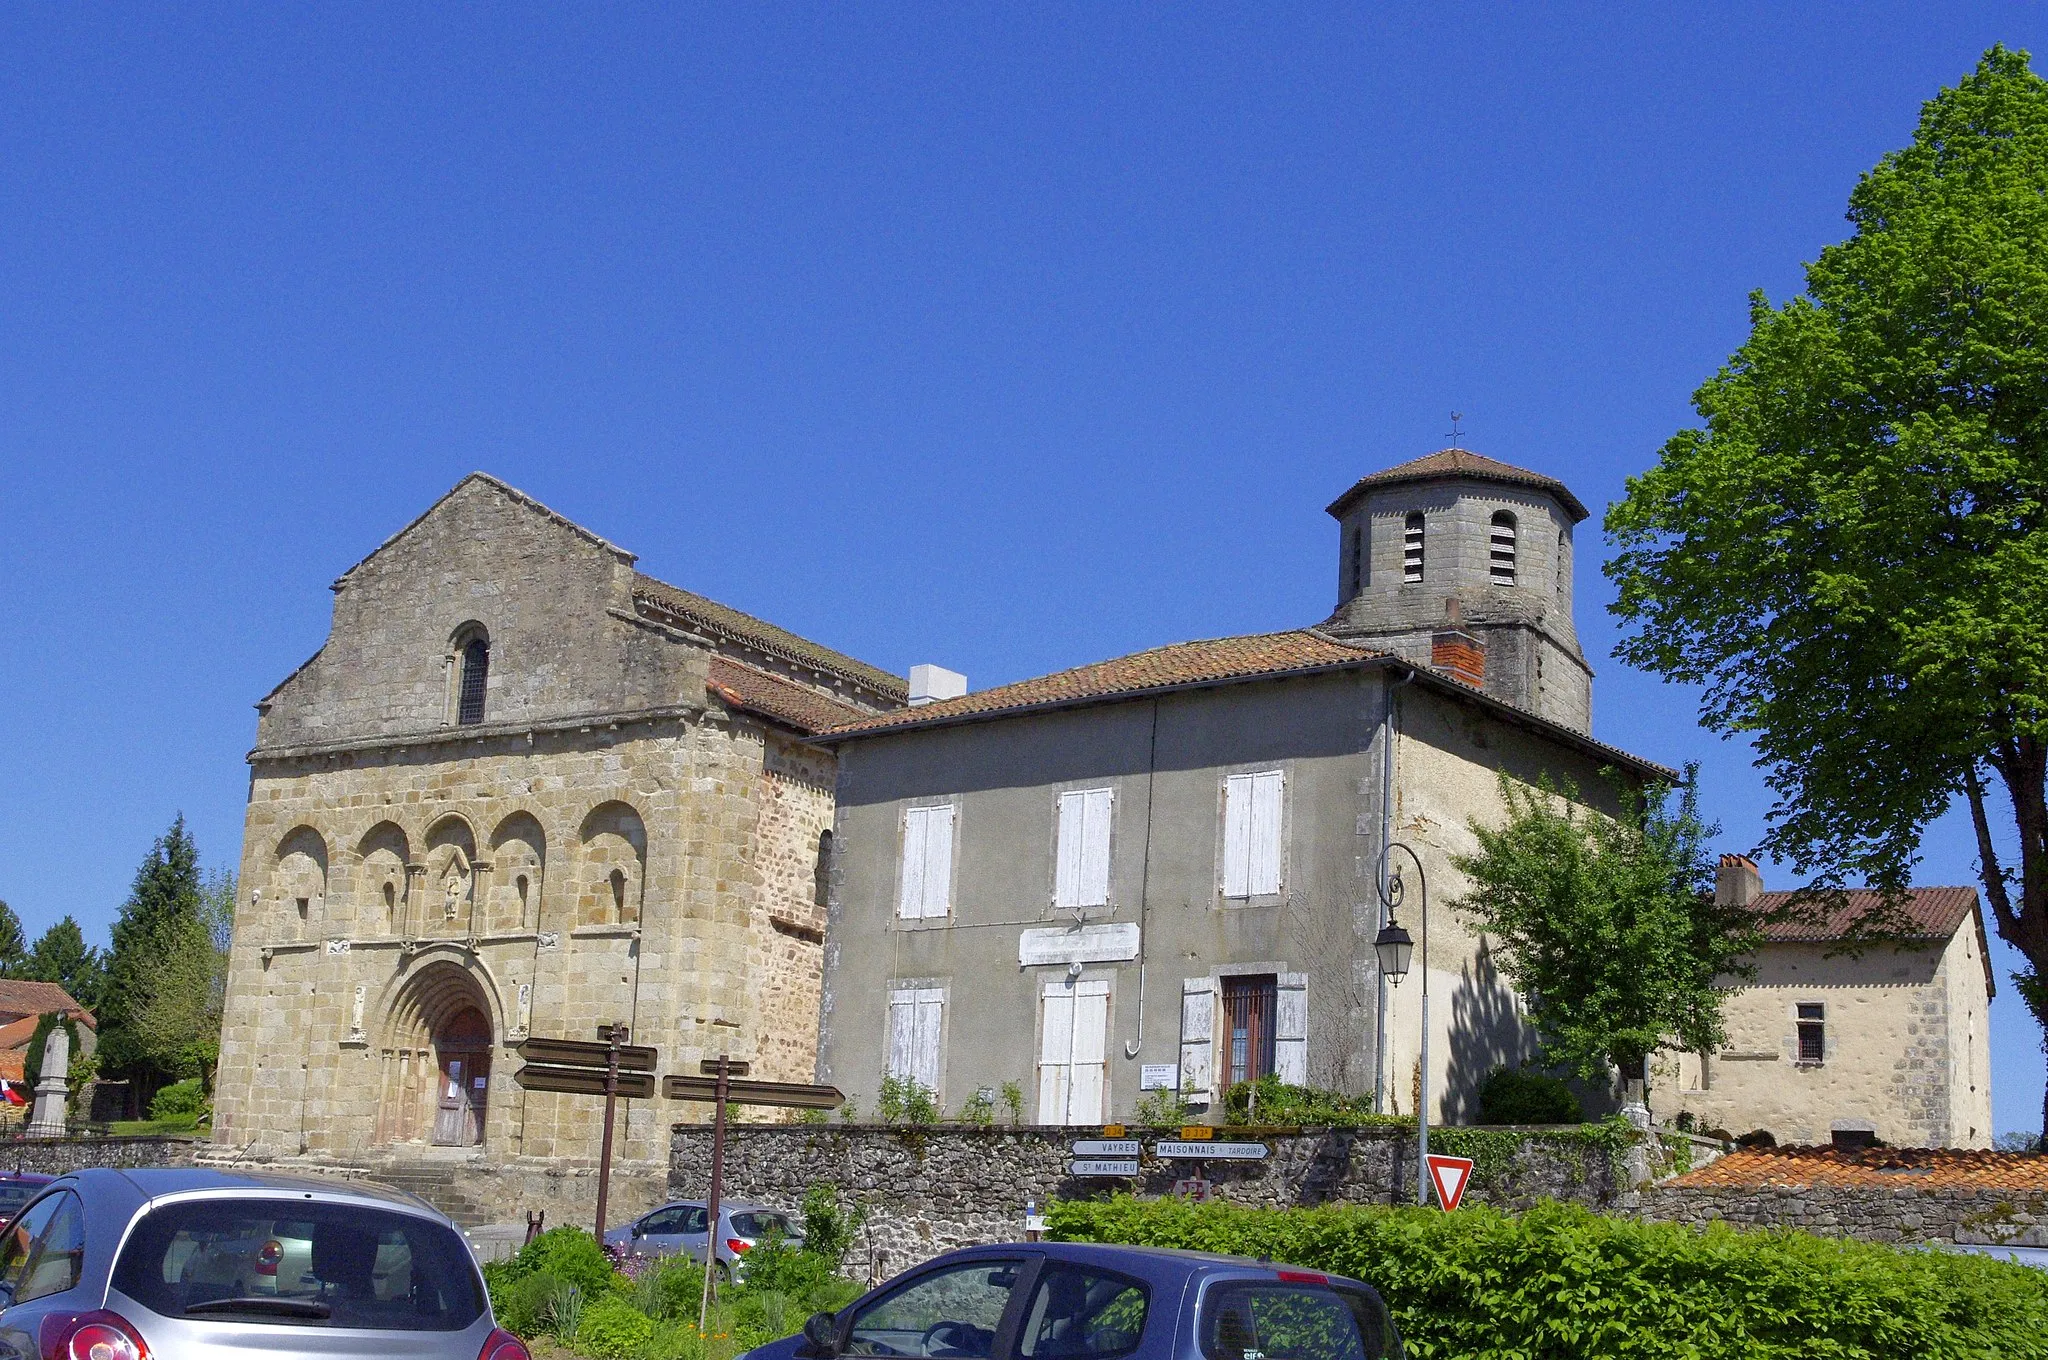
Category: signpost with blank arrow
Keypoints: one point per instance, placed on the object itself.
(610, 1069)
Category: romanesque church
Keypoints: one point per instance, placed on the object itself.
(523, 789)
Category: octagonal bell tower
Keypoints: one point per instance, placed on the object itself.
(1462, 563)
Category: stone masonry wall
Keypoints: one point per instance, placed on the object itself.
(57, 1156)
(1950, 1214)
(931, 1190)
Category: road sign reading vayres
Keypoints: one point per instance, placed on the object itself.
(1103, 1166)
(1451, 1175)
(1106, 1147)
(1210, 1152)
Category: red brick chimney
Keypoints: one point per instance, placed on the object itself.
(1737, 883)
(1457, 653)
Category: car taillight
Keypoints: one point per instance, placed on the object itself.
(737, 1245)
(97, 1335)
(502, 1345)
(1302, 1277)
(268, 1256)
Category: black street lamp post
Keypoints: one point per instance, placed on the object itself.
(1394, 947)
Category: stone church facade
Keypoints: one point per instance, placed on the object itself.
(524, 789)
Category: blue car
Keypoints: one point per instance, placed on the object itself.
(1076, 1301)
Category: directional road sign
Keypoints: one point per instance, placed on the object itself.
(576, 1053)
(734, 1067)
(1210, 1152)
(1103, 1166)
(1451, 1175)
(1106, 1147)
(787, 1093)
(583, 1081)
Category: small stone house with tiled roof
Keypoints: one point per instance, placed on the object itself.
(23, 1005)
(521, 790)
(1160, 872)
(1890, 1038)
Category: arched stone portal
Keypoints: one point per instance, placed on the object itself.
(437, 1060)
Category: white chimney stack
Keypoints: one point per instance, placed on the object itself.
(929, 684)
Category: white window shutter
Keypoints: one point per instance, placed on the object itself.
(902, 1032)
(1085, 1098)
(1055, 1053)
(1290, 1029)
(910, 902)
(1266, 808)
(938, 861)
(1067, 850)
(930, 1011)
(1237, 828)
(1197, 1038)
(1095, 848)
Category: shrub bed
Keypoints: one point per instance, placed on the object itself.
(1560, 1281)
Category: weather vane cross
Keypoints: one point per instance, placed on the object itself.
(1456, 434)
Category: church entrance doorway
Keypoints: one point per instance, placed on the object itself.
(462, 1052)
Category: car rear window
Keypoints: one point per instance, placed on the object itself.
(300, 1262)
(14, 1194)
(755, 1224)
(1253, 1321)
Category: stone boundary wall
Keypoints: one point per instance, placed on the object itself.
(1944, 1214)
(929, 1190)
(56, 1156)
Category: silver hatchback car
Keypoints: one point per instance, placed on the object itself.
(128, 1265)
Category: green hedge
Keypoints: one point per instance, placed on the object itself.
(1560, 1281)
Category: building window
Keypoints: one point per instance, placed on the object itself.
(1411, 550)
(1500, 564)
(1252, 805)
(927, 862)
(821, 873)
(1250, 1005)
(916, 1018)
(1564, 565)
(1082, 869)
(476, 670)
(1073, 1037)
(1813, 1032)
(1357, 558)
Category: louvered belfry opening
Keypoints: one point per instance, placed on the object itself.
(476, 669)
(1501, 558)
(1411, 549)
(1249, 1004)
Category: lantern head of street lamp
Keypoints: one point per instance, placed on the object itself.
(1394, 946)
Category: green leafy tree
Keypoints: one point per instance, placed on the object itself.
(160, 927)
(13, 946)
(1850, 553)
(61, 955)
(1609, 925)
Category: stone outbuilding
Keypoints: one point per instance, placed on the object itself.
(524, 789)
(1889, 1039)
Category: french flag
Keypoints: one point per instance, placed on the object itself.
(16, 1095)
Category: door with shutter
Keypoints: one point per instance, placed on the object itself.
(1073, 1042)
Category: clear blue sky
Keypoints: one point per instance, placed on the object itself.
(1003, 337)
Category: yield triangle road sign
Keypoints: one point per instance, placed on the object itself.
(1451, 1175)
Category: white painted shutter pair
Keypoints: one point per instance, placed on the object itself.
(1073, 1038)
(927, 862)
(1251, 833)
(1082, 878)
(915, 1014)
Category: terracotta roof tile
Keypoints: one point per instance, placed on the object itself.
(674, 600)
(778, 697)
(37, 998)
(1181, 663)
(1815, 1168)
(1460, 463)
(1929, 914)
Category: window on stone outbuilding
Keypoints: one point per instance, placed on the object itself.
(476, 670)
(821, 874)
(1813, 1035)
(1411, 549)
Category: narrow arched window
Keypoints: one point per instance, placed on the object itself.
(1411, 550)
(1357, 558)
(618, 894)
(1564, 565)
(821, 880)
(1500, 563)
(476, 671)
